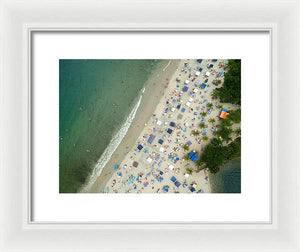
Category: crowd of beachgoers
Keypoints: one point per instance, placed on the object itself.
(182, 124)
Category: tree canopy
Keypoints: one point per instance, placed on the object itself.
(231, 90)
(235, 116)
(216, 154)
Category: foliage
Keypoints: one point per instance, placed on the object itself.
(226, 123)
(187, 157)
(189, 170)
(205, 138)
(235, 116)
(217, 82)
(199, 162)
(203, 114)
(216, 142)
(212, 120)
(186, 147)
(202, 125)
(225, 133)
(238, 132)
(231, 90)
(196, 133)
(215, 154)
(210, 105)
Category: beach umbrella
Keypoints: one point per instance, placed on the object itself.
(177, 184)
(173, 179)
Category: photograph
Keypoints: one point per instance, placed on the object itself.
(150, 126)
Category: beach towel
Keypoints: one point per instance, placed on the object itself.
(151, 138)
(169, 131)
(177, 184)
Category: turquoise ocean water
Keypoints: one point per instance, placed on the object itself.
(95, 98)
(228, 180)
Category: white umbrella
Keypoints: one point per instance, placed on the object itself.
(171, 167)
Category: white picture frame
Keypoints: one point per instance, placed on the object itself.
(20, 19)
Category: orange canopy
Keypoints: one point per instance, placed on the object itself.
(224, 115)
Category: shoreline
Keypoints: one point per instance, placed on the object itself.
(157, 155)
(154, 91)
(157, 167)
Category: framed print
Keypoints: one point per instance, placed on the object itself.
(122, 131)
(177, 124)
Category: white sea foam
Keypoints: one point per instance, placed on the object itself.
(110, 149)
(167, 65)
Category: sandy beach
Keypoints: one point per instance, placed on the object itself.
(155, 89)
(150, 158)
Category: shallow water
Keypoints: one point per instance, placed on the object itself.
(95, 98)
(228, 180)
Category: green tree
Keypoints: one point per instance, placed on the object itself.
(202, 125)
(196, 133)
(225, 133)
(231, 90)
(199, 162)
(212, 120)
(238, 132)
(215, 155)
(216, 142)
(203, 114)
(226, 123)
(189, 170)
(186, 147)
(187, 157)
(210, 105)
(205, 138)
(235, 116)
(215, 133)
